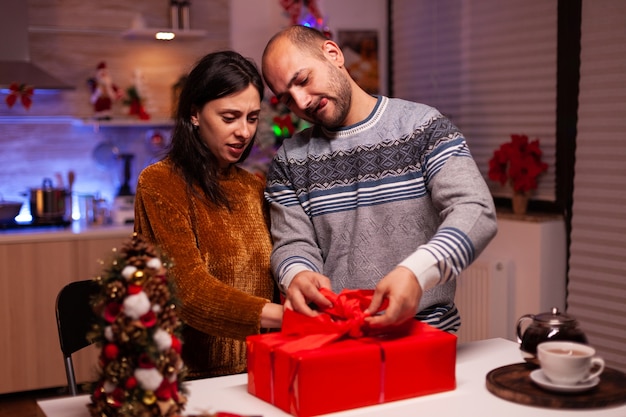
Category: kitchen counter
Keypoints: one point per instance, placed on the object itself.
(75, 231)
(34, 265)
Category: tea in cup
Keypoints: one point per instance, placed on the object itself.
(569, 363)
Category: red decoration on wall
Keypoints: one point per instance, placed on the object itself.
(23, 92)
(294, 9)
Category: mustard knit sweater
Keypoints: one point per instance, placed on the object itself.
(221, 268)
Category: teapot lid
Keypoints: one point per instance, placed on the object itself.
(555, 317)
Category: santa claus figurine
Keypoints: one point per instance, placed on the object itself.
(103, 93)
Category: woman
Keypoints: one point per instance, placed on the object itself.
(208, 216)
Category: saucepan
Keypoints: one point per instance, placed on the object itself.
(49, 202)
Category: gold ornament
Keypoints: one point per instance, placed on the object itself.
(138, 277)
(149, 398)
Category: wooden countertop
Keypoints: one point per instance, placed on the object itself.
(75, 231)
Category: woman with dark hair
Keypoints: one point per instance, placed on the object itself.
(209, 217)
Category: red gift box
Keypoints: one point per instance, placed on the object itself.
(332, 362)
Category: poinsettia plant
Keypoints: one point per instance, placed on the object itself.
(517, 163)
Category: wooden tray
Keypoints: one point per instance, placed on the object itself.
(513, 383)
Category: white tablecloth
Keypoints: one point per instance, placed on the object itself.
(470, 398)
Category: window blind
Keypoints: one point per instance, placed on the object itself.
(489, 66)
(597, 265)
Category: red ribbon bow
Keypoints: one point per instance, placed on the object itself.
(346, 318)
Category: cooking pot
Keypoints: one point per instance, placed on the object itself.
(49, 203)
(9, 210)
(549, 326)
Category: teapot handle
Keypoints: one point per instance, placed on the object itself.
(521, 321)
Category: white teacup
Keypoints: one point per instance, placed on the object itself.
(569, 363)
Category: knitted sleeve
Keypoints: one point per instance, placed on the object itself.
(217, 295)
(465, 205)
(295, 247)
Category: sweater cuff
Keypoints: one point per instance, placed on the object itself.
(424, 266)
(290, 274)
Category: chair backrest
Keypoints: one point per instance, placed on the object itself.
(74, 320)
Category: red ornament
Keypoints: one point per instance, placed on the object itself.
(134, 289)
(111, 311)
(131, 382)
(176, 345)
(111, 351)
(23, 92)
(149, 319)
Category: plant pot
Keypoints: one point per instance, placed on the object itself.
(519, 202)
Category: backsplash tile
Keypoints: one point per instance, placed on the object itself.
(32, 152)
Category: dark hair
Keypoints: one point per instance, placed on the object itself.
(216, 75)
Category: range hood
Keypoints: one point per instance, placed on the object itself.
(15, 64)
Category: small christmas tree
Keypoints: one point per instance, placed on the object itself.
(141, 370)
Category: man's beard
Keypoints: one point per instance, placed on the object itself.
(341, 96)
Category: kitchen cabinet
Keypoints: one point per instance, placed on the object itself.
(33, 268)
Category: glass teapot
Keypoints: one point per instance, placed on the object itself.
(553, 325)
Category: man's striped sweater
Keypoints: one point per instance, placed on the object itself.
(398, 188)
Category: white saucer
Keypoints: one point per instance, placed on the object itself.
(540, 379)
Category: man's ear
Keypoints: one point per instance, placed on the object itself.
(334, 53)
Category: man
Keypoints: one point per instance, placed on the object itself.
(379, 193)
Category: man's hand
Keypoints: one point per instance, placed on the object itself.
(304, 289)
(401, 289)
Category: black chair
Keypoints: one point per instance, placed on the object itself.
(74, 320)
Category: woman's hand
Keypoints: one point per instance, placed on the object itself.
(272, 316)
